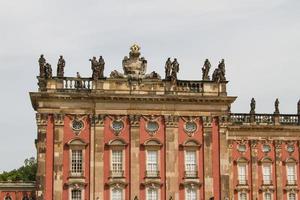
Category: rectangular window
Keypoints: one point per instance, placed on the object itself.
(242, 196)
(291, 174)
(190, 194)
(152, 194)
(76, 162)
(292, 196)
(76, 194)
(242, 174)
(190, 161)
(116, 194)
(267, 196)
(152, 161)
(117, 161)
(266, 174)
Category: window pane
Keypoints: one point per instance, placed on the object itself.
(76, 194)
(190, 194)
(76, 163)
(190, 161)
(242, 174)
(152, 161)
(117, 159)
(291, 174)
(117, 194)
(152, 194)
(292, 196)
(267, 174)
(267, 196)
(243, 196)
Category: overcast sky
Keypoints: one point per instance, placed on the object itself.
(259, 40)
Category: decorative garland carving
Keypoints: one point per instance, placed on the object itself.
(152, 121)
(171, 121)
(117, 124)
(190, 121)
(207, 120)
(97, 120)
(78, 123)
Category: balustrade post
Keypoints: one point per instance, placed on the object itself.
(298, 112)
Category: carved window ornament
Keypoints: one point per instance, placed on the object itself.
(266, 148)
(266, 160)
(152, 125)
(77, 124)
(191, 145)
(242, 148)
(117, 144)
(190, 126)
(241, 160)
(117, 126)
(290, 148)
(77, 143)
(152, 144)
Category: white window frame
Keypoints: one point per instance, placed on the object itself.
(242, 178)
(289, 176)
(152, 165)
(154, 189)
(187, 194)
(239, 196)
(81, 188)
(75, 169)
(267, 178)
(265, 193)
(120, 162)
(190, 162)
(115, 188)
(288, 195)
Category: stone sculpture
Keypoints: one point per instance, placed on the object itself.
(252, 106)
(42, 64)
(101, 65)
(95, 68)
(78, 82)
(175, 69)
(48, 71)
(276, 104)
(60, 67)
(219, 73)
(168, 68)
(205, 70)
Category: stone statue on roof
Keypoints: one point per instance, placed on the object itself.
(276, 104)
(42, 64)
(252, 106)
(205, 70)
(60, 67)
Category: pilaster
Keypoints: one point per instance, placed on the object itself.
(254, 165)
(278, 168)
(134, 155)
(58, 156)
(97, 163)
(171, 145)
(208, 174)
(41, 121)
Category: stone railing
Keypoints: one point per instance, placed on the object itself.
(77, 83)
(282, 119)
(124, 86)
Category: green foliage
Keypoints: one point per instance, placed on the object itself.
(25, 173)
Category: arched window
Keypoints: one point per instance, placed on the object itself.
(152, 147)
(152, 194)
(291, 171)
(190, 193)
(77, 147)
(117, 194)
(242, 167)
(191, 149)
(76, 194)
(117, 161)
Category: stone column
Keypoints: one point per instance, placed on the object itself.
(208, 176)
(41, 121)
(134, 155)
(171, 145)
(230, 161)
(278, 169)
(58, 156)
(224, 161)
(254, 176)
(97, 131)
(92, 157)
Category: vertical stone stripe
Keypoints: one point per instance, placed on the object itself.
(231, 170)
(216, 159)
(98, 159)
(171, 143)
(41, 121)
(224, 163)
(92, 158)
(208, 178)
(278, 169)
(49, 159)
(58, 156)
(134, 155)
(254, 165)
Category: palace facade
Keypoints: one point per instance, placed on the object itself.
(136, 136)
